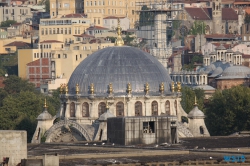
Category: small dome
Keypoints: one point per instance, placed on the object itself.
(235, 72)
(216, 72)
(106, 115)
(221, 47)
(212, 53)
(229, 51)
(45, 115)
(237, 53)
(196, 113)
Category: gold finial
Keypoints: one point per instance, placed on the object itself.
(172, 87)
(110, 88)
(146, 88)
(161, 87)
(66, 88)
(92, 88)
(178, 87)
(45, 104)
(119, 41)
(129, 89)
(195, 103)
(107, 105)
(77, 88)
(61, 88)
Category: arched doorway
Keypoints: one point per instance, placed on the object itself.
(138, 108)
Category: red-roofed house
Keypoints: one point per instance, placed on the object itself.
(217, 20)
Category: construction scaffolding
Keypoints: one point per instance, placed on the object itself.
(155, 27)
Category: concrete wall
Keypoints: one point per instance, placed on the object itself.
(142, 130)
(13, 144)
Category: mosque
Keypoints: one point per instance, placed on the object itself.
(119, 81)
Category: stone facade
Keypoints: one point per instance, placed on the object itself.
(13, 144)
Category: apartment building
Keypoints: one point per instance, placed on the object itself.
(17, 13)
(122, 8)
(59, 8)
(67, 26)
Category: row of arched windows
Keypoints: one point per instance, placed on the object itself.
(119, 108)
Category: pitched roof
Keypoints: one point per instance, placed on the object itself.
(19, 44)
(51, 41)
(227, 46)
(75, 15)
(222, 36)
(97, 28)
(206, 13)
(113, 17)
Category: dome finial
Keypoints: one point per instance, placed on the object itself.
(119, 41)
(45, 104)
(195, 102)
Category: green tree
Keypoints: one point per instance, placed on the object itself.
(191, 65)
(7, 23)
(47, 6)
(198, 27)
(188, 98)
(228, 111)
(15, 84)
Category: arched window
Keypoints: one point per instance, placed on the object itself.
(64, 109)
(167, 107)
(201, 130)
(101, 108)
(85, 110)
(138, 108)
(175, 106)
(154, 108)
(120, 109)
(72, 109)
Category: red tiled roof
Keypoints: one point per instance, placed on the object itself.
(16, 24)
(97, 28)
(84, 35)
(227, 46)
(19, 44)
(206, 13)
(51, 41)
(245, 55)
(113, 17)
(76, 15)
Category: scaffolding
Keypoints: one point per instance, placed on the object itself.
(155, 27)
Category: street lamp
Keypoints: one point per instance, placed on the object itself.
(6, 75)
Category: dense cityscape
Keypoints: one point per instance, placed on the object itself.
(128, 82)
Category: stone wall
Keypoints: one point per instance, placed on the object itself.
(13, 144)
(229, 83)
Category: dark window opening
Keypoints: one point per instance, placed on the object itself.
(148, 127)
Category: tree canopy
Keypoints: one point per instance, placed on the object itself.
(228, 111)
(198, 27)
(146, 18)
(7, 23)
(21, 103)
(188, 98)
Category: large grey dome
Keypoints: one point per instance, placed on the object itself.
(235, 72)
(119, 66)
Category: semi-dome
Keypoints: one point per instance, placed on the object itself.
(235, 72)
(45, 115)
(119, 66)
(216, 72)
